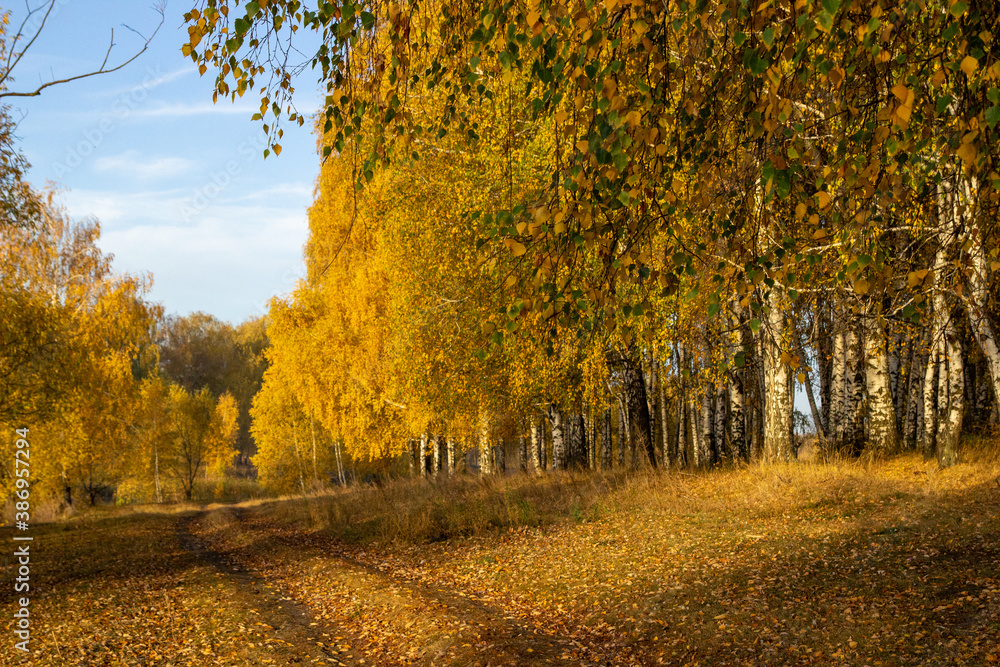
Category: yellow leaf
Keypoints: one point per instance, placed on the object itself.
(819, 234)
(277, 149)
(801, 377)
(561, 116)
(861, 286)
(800, 211)
(968, 153)
(516, 247)
(824, 199)
(969, 65)
(633, 118)
(900, 91)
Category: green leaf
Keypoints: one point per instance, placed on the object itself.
(753, 62)
(754, 324)
(958, 9)
(768, 36)
(738, 39)
(992, 116)
(713, 308)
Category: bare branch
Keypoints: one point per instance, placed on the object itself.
(103, 69)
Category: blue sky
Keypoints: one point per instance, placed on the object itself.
(180, 185)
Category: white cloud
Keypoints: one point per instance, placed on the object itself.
(227, 260)
(229, 268)
(181, 109)
(132, 162)
(153, 78)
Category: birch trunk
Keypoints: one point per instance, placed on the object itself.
(823, 342)
(668, 457)
(606, 440)
(777, 445)
(156, 473)
(982, 328)
(622, 436)
(522, 452)
(537, 442)
(854, 394)
(589, 439)
(485, 448)
(450, 459)
(707, 455)
(721, 446)
(928, 434)
(817, 417)
(914, 393)
(438, 447)
(558, 439)
(298, 459)
(950, 403)
(883, 436)
(952, 382)
(737, 397)
(696, 434)
(838, 387)
(312, 434)
(638, 412)
(422, 456)
(500, 458)
(340, 463)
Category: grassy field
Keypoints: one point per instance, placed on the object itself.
(895, 563)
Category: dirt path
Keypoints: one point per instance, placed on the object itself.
(403, 621)
(282, 619)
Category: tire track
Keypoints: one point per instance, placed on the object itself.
(470, 623)
(284, 620)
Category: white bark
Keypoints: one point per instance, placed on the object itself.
(485, 448)
(558, 439)
(778, 396)
(883, 436)
(838, 387)
(422, 455)
(721, 446)
(707, 442)
(982, 328)
(537, 442)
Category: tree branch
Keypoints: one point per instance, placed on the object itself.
(103, 69)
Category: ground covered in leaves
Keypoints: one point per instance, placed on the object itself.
(835, 564)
